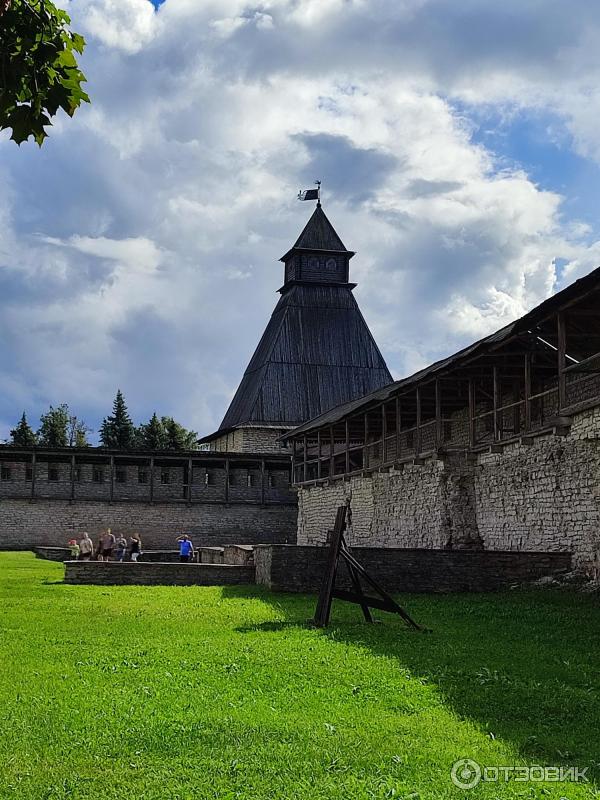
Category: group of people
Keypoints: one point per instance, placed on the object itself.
(108, 544)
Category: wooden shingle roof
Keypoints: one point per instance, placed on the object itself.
(316, 352)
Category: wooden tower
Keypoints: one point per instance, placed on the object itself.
(316, 352)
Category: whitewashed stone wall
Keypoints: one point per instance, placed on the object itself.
(250, 440)
(545, 496)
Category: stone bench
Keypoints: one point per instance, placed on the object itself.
(240, 554)
(210, 555)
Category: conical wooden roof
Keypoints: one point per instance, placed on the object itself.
(317, 350)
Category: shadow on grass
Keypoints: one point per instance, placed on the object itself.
(521, 664)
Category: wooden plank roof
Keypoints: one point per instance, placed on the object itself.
(580, 289)
(316, 352)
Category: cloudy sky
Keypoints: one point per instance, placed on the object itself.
(459, 149)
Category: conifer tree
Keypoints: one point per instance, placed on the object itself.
(53, 427)
(178, 437)
(153, 435)
(23, 435)
(117, 430)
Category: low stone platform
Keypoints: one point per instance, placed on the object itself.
(148, 573)
(298, 568)
(53, 553)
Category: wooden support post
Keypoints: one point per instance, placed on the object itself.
(226, 480)
(33, 473)
(152, 479)
(439, 427)
(497, 403)
(190, 479)
(262, 482)
(418, 430)
(562, 349)
(365, 446)
(472, 432)
(527, 391)
(347, 446)
(383, 435)
(331, 453)
(73, 477)
(318, 454)
(112, 478)
(398, 426)
(304, 465)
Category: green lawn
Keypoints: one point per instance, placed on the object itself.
(174, 693)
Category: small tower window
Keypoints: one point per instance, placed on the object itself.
(313, 262)
(331, 264)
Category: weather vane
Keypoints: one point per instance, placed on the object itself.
(311, 194)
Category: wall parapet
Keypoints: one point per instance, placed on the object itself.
(299, 568)
(99, 573)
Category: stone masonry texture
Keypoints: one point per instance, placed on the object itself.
(25, 524)
(300, 568)
(540, 496)
(156, 574)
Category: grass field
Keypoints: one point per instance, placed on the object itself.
(172, 693)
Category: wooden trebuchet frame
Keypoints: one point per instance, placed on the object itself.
(338, 549)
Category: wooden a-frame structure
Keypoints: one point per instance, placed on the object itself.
(338, 549)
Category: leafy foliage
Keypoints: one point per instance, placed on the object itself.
(54, 425)
(178, 437)
(23, 435)
(77, 432)
(117, 430)
(38, 70)
(153, 435)
(166, 434)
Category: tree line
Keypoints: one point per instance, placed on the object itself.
(60, 428)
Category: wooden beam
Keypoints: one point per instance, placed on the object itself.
(33, 473)
(527, 391)
(73, 477)
(112, 478)
(398, 421)
(383, 434)
(497, 402)
(226, 480)
(472, 432)
(562, 349)
(331, 453)
(439, 428)
(190, 479)
(319, 454)
(262, 481)
(347, 470)
(151, 479)
(304, 465)
(418, 427)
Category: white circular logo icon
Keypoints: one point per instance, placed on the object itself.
(466, 773)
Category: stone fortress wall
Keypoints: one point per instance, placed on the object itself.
(50, 498)
(543, 495)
